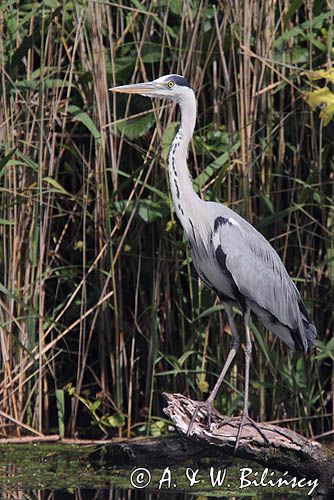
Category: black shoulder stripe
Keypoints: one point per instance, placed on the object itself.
(221, 259)
(220, 221)
(192, 227)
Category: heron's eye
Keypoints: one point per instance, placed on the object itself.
(170, 84)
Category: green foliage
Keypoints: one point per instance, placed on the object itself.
(322, 98)
(167, 139)
(85, 119)
(135, 128)
(103, 421)
(61, 411)
(326, 350)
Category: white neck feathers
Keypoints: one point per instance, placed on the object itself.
(184, 197)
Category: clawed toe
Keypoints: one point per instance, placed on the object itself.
(209, 410)
(225, 421)
(244, 419)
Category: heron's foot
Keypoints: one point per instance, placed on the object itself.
(209, 410)
(225, 421)
(250, 421)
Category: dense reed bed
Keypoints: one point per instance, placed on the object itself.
(100, 308)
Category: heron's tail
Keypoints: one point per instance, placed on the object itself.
(311, 332)
(309, 328)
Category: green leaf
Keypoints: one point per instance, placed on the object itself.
(70, 389)
(210, 311)
(328, 74)
(326, 350)
(153, 189)
(287, 35)
(116, 420)
(5, 222)
(167, 139)
(22, 50)
(123, 67)
(152, 55)
(210, 170)
(203, 385)
(219, 163)
(294, 6)
(150, 210)
(275, 217)
(86, 120)
(33, 40)
(157, 428)
(52, 4)
(27, 161)
(6, 159)
(60, 400)
(322, 98)
(261, 342)
(136, 127)
(156, 18)
(267, 201)
(176, 7)
(95, 405)
(181, 360)
(56, 185)
(7, 292)
(330, 263)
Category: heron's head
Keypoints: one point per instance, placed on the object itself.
(173, 87)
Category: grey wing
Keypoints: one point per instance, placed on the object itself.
(259, 273)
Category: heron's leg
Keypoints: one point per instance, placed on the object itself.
(234, 344)
(245, 417)
(248, 353)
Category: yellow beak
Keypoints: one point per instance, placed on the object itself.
(149, 89)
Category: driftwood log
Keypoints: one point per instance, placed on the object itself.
(288, 451)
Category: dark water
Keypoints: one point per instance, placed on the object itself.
(54, 472)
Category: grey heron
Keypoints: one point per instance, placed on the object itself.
(229, 254)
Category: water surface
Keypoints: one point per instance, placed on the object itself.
(58, 471)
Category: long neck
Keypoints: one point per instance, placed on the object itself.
(184, 197)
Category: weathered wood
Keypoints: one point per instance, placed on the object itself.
(288, 451)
